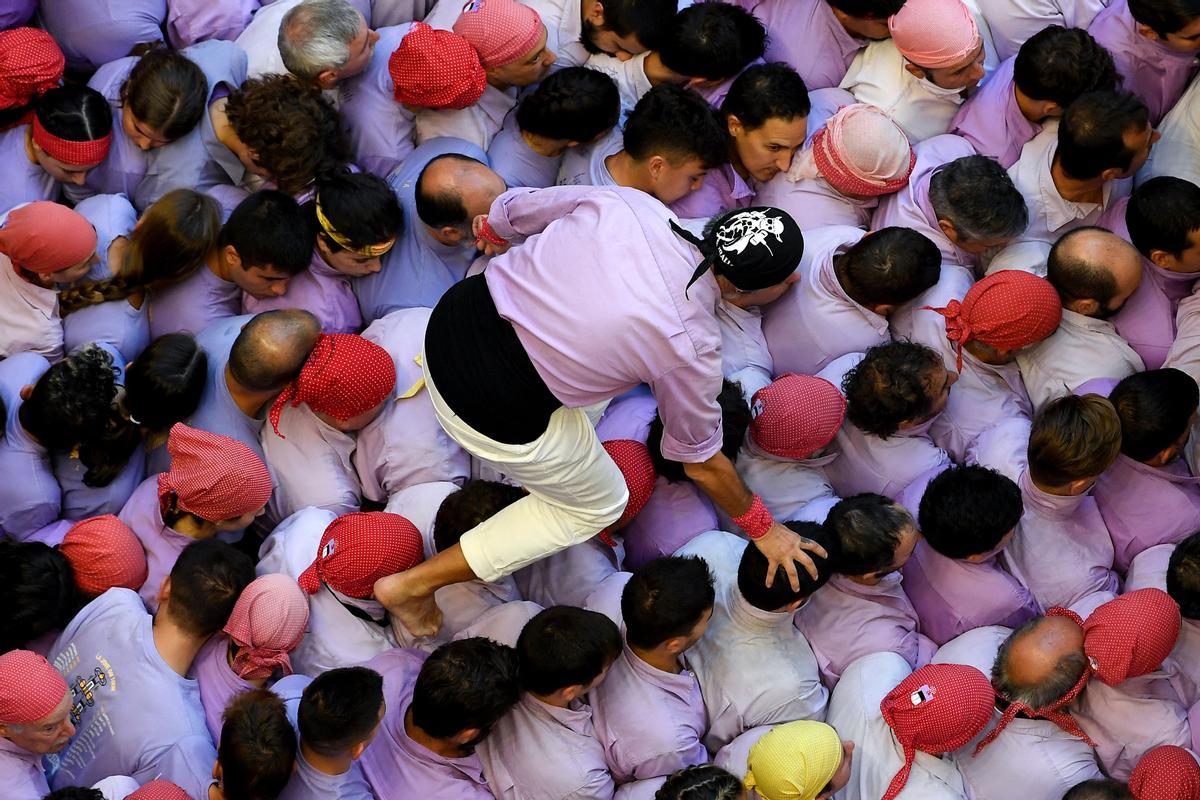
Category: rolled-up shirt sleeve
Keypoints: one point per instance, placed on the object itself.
(520, 213)
(687, 404)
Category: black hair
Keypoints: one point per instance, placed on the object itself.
(967, 511)
(665, 598)
(976, 196)
(1162, 213)
(441, 209)
(889, 266)
(713, 40)
(206, 581)
(565, 646)
(889, 386)
(163, 385)
(868, 9)
(1059, 64)
(1077, 278)
(1183, 576)
(648, 20)
(469, 506)
(72, 402)
(752, 571)
(679, 125)
(766, 91)
(75, 113)
(700, 782)
(868, 528)
(339, 709)
(38, 590)
(269, 228)
(468, 683)
(1091, 136)
(735, 421)
(1099, 789)
(75, 793)
(257, 748)
(1164, 16)
(360, 206)
(167, 92)
(1156, 410)
(575, 104)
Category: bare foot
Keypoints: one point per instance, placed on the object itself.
(415, 610)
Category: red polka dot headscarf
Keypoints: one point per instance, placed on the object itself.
(436, 69)
(31, 63)
(796, 415)
(1166, 773)
(1008, 310)
(159, 790)
(633, 459)
(29, 687)
(104, 553)
(213, 476)
(937, 709)
(266, 624)
(360, 548)
(344, 376)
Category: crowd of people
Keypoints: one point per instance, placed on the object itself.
(594, 399)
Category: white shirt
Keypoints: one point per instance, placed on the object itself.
(30, 314)
(260, 39)
(311, 465)
(1013, 22)
(478, 123)
(1177, 153)
(1081, 349)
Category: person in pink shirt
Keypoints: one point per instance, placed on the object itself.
(563, 653)
(1149, 496)
(440, 708)
(1051, 69)
(967, 516)
(849, 284)
(35, 719)
(863, 609)
(859, 156)
(894, 394)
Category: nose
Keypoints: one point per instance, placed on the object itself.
(78, 178)
(374, 266)
(68, 728)
(977, 72)
(372, 37)
(784, 161)
(143, 142)
(550, 56)
(279, 289)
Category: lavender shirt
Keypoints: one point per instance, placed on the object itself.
(16, 13)
(1129, 719)
(516, 162)
(320, 289)
(816, 321)
(308, 782)
(814, 203)
(219, 684)
(995, 101)
(24, 180)
(1154, 72)
(134, 715)
(21, 771)
(218, 412)
(193, 304)
(568, 577)
(394, 764)
(723, 189)
(381, 130)
(162, 544)
(807, 36)
(1144, 506)
(192, 21)
(675, 514)
(95, 32)
(1149, 571)
(29, 495)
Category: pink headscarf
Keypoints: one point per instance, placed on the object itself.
(160, 790)
(213, 476)
(501, 30)
(934, 34)
(29, 687)
(267, 623)
(45, 237)
(861, 151)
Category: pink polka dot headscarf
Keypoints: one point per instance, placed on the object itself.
(29, 687)
(266, 624)
(213, 476)
(862, 152)
(935, 34)
(500, 30)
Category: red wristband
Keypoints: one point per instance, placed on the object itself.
(756, 520)
(490, 236)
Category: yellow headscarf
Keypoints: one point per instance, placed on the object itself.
(794, 761)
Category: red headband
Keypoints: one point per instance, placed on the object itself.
(69, 151)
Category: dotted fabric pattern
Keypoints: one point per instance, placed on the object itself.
(937, 709)
(160, 790)
(1131, 635)
(360, 548)
(104, 553)
(934, 34)
(795, 415)
(45, 237)
(796, 760)
(267, 623)
(862, 152)
(31, 62)
(1008, 310)
(1166, 773)
(344, 376)
(213, 476)
(501, 31)
(81, 153)
(633, 459)
(436, 69)
(29, 687)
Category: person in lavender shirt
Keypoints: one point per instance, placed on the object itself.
(144, 718)
(336, 716)
(766, 118)
(649, 712)
(267, 240)
(92, 34)
(863, 609)
(1176, 570)
(967, 516)
(440, 708)
(1050, 70)
(849, 284)
(1154, 44)
(35, 720)
(571, 107)
(40, 586)
(320, 42)
(563, 654)
(256, 755)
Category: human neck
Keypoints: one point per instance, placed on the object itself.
(1054, 491)
(544, 146)
(498, 84)
(215, 261)
(1026, 104)
(659, 659)
(230, 652)
(328, 765)
(627, 172)
(553, 699)
(194, 528)
(176, 647)
(440, 746)
(249, 401)
(1076, 191)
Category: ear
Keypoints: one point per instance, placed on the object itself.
(695, 83)
(232, 258)
(357, 750)
(1052, 109)
(1076, 488)
(675, 645)
(735, 126)
(571, 693)
(1147, 31)
(26, 391)
(595, 13)
(327, 79)
(948, 230)
(914, 70)
(978, 558)
(1162, 259)
(1112, 174)
(1085, 307)
(450, 233)
(795, 605)
(466, 735)
(164, 591)
(656, 166)
(882, 309)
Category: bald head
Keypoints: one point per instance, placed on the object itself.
(451, 191)
(1095, 271)
(272, 348)
(1040, 662)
